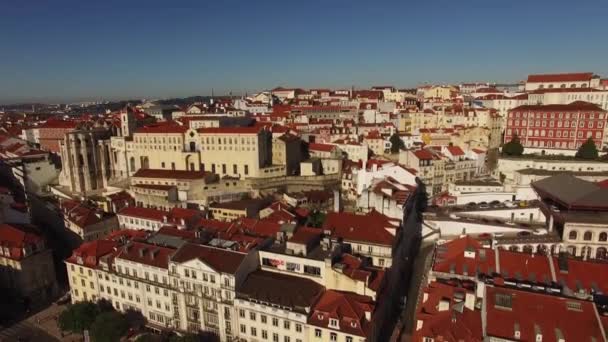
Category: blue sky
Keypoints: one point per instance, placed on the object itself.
(73, 50)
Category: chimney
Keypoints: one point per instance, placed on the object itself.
(368, 315)
(142, 252)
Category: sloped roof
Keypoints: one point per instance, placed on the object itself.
(280, 289)
(221, 260)
(573, 192)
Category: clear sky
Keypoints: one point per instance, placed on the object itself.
(72, 50)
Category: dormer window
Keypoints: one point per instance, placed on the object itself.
(353, 324)
(320, 316)
(333, 323)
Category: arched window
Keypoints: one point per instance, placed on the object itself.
(573, 85)
(588, 236)
(600, 253)
(573, 235)
(603, 236)
(562, 86)
(132, 164)
(192, 146)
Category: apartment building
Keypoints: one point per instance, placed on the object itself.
(560, 128)
(26, 263)
(240, 152)
(87, 222)
(341, 316)
(578, 211)
(275, 307)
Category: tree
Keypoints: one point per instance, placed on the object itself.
(513, 147)
(588, 150)
(78, 317)
(396, 143)
(316, 219)
(109, 326)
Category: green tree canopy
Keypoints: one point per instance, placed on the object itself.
(513, 147)
(316, 219)
(78, 317)
(588, 150)
(396, 143)
(109, 326)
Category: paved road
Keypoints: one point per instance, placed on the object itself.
(39, 327)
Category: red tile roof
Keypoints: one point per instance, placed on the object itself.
(370, 228)
(424, 155)
(163, 128)
(321, 147)
(81, 214)
(553, 317)
(147, 254)
(453, 324)
(455, 151)
(17, 237)
(145, 213)
(221, 260)
(348, 308)
(89, 253)
(566, 77)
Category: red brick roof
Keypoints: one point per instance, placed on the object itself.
(221, 260)
(424, 155)
(567, 77)
(81, 214)
(346, 307)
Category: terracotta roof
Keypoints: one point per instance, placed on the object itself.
(221, 260)
(370, 228)
(16, 237)
(566, 77)
(453, 323)
(534, 313)
(346, 307)
(163, 128)
(279, 289)
(321, 147)
(145, 253)
(145, 213)
(171, 174)
(81, 214)
(89, 253)
(424, 155)
(455, 151)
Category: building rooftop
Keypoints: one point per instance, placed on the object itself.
(281, 290)
(221, 260)
(572, 192)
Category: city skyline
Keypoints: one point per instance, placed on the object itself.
(74, 52)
